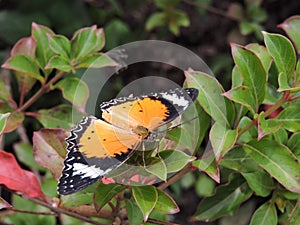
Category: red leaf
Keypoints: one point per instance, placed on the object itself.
(4, 204)
(50, 149)
(17, 179)
(25, 46)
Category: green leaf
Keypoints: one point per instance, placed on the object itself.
(283, 83)
(237, 79)
(60, 63)
(86, 41)
(293, 213)
(60, 45)
(292, 27)
(165, 4)
(49, 185)
(117, 32)
(24, 64)
(222, 139)
(43, 50)
(156, 20)
(182, 18)
(75, 91)
(239, 161)
(3, 119)
(252, 71)
(250, 133)
(289, 118)
(246, 28)
(174, 27)
(97, 60)
(266, 126)
(14, 120)
(177, 19)
(208, 165)
(104, 193)
(25, 46)
(187, 181)
(281, 136)
(210, 97)
(262, 54)
(242, 95)
(294, 143)
(175, 160)
(24, 154)
(4, 93)
(25, 83)
(272, 95)
(61, 116)
(83, 197)
(225, 201)
(204, 186)
(260, 182)
(265, 214)
(49, 149)
(146, 198)
(277, 160)
(157, 167)
(19, 218)
(165, 203)
(135, 215)
(283, 53)
(192, 130)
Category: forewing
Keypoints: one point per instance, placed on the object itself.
(150, 111)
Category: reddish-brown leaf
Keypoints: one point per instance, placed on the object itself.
(50, 149)
(25, 46)
(17, 179)
(4, 204)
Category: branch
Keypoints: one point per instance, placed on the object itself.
(188, 168)
(31, 212)
(276, 106)
(211, 10)
(41, 91)
(292, 212)
(64, 211)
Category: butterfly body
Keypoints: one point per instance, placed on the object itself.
(98, 146)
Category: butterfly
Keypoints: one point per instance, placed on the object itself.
(95, 146)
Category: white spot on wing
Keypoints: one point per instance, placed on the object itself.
(88, 171)
(176, 100)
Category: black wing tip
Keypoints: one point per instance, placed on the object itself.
(192, 92)
(67, 189)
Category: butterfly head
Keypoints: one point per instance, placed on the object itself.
(141, 131)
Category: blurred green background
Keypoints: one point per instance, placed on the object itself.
(204, 26)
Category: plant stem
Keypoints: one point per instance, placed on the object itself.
(292, 212)
(32, 212)
(244, 129)
(274, 107)
(211, 9)
(61, 210)
(277, 105)
(188, 168)
(40, 92)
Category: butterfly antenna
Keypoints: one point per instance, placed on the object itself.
(178, 125)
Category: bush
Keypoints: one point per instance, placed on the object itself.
(254, 150)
